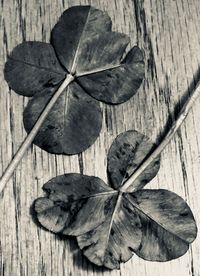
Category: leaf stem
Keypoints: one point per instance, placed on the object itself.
(30, 137)
(177, 123)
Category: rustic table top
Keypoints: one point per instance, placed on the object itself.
(168, 31)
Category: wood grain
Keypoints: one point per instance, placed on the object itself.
(168, 31)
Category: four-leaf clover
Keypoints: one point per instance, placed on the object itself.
(110, 223)
(84, 47)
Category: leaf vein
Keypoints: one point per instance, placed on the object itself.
(149, 217)
(37, 66)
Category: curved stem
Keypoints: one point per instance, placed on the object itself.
(182, 115)
(30, 137)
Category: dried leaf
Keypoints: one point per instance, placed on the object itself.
(31, 67)
(125, 155)
(84, 46)
(71, 197)
(71, 126)
(75, 26)
(123, 80)
(110, 225)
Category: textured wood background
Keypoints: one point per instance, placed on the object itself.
(168, 31)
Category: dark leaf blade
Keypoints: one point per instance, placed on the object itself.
(71, 126)
(166, 207)
(64, 186)
(31, 67)
(158, 244)
(168, 224)
(76, 23)
(113, 241)
(100, 52)
(74, 204)
(119, 84)
(126, 153)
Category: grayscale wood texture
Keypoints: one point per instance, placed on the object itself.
(169, 33)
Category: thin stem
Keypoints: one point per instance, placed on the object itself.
(182, 115)
(30, 137)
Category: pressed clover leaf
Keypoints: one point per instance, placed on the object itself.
(112, 224)
(83, 47)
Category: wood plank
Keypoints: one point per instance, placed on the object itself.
(168, 31)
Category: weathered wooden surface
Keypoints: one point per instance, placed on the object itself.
(169, 33)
